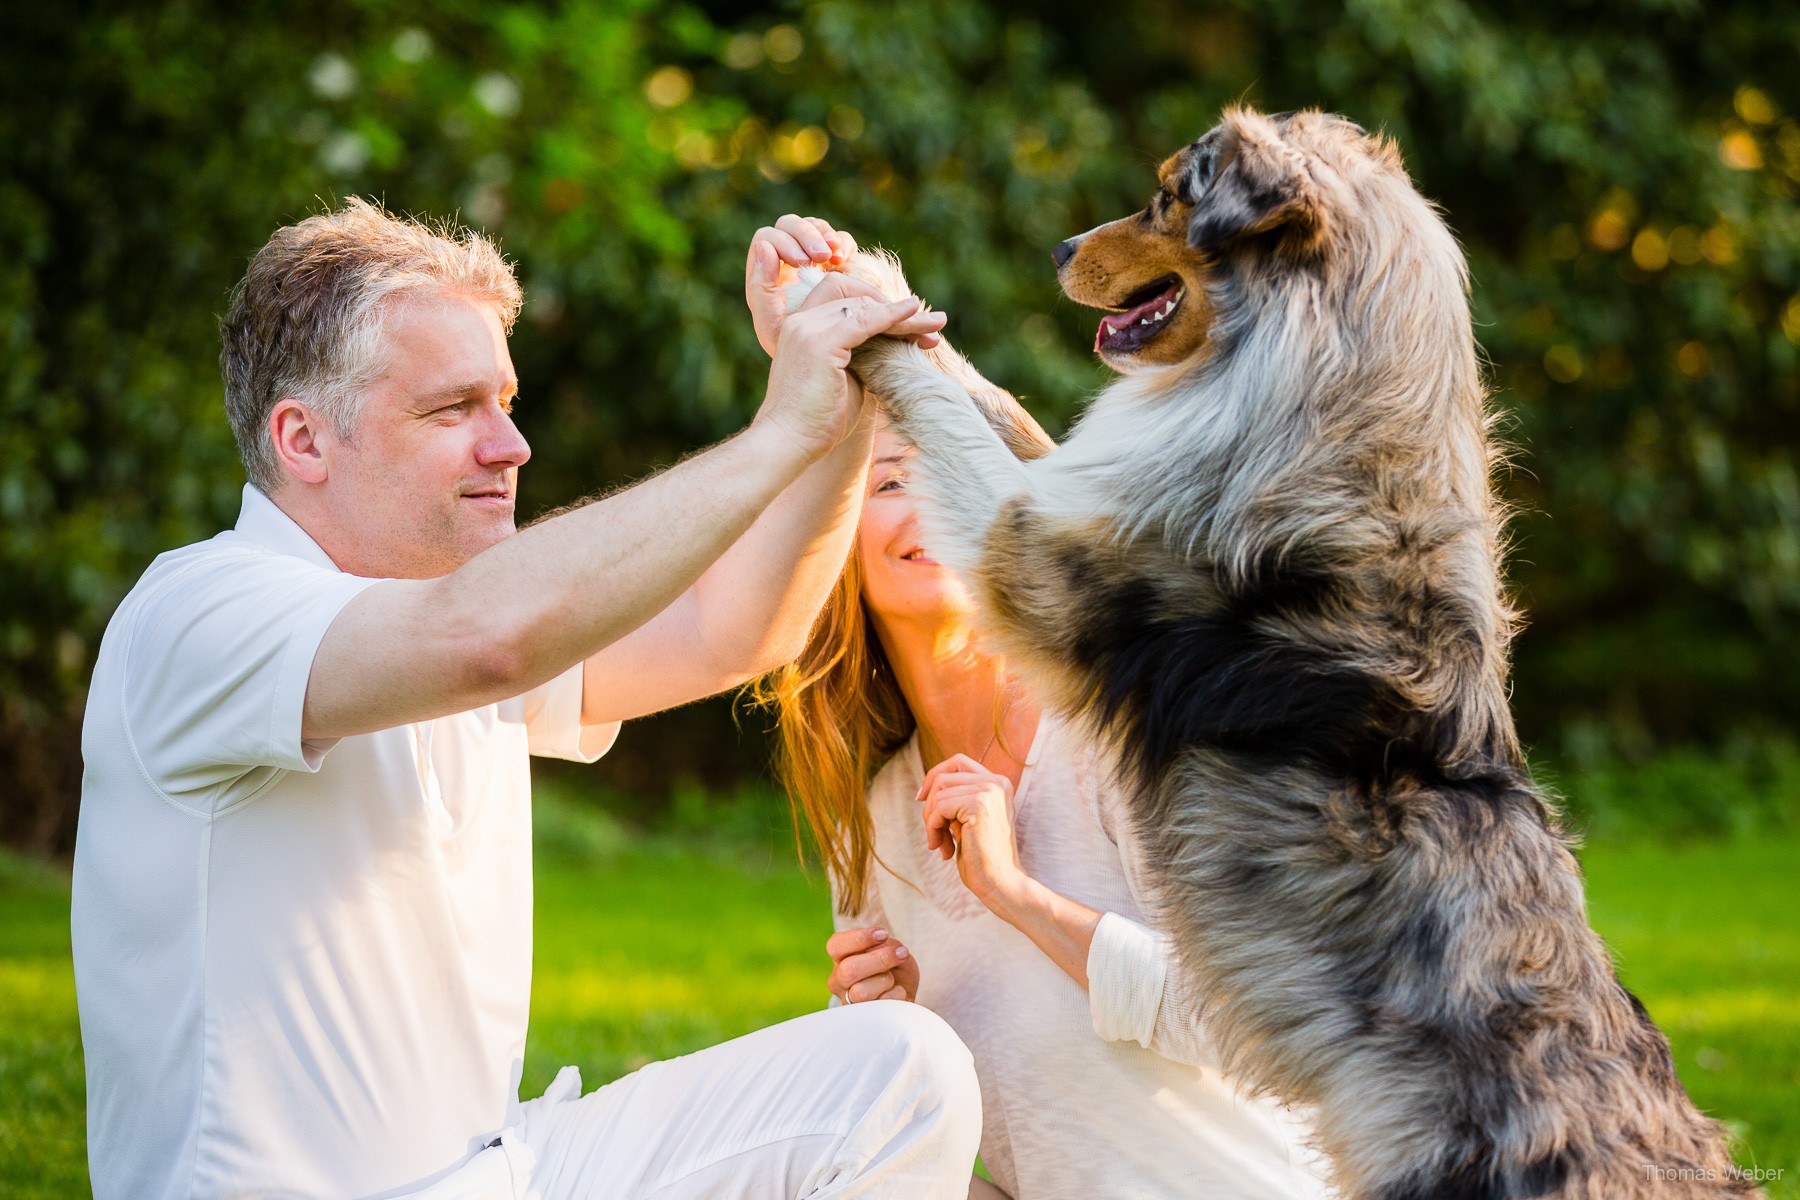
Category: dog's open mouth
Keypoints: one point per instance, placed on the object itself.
(1146, 314)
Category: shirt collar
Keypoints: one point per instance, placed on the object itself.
(262, 522)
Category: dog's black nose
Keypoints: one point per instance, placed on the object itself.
(1063, 252)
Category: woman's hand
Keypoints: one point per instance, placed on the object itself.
(968, 815)
(867, 964)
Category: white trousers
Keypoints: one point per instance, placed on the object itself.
(872, 1101)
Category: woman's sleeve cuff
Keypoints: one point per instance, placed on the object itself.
(1127, 965)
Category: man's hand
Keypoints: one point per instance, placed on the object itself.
(967, 810)
(867, 964)
(812, 396)
(776, 252)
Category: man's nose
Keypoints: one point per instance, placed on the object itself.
(1063, 252)
(503, 444)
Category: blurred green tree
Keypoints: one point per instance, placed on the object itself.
(1624, 173)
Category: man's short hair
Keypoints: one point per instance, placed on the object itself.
(306, 322)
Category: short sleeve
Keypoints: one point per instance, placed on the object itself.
(216, 667)
(553, 720)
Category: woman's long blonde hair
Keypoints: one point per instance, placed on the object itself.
(839, 711)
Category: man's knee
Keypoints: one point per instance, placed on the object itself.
(914, 1048)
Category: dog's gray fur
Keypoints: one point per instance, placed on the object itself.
(1270, 575)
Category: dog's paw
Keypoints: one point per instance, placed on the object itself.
(877, 268)
(800, 285)
(881, 271)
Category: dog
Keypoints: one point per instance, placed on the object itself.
(1265, 567)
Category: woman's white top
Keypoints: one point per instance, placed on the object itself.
(1111, 1092)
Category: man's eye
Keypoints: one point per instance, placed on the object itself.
(892, 483)
(506, 404)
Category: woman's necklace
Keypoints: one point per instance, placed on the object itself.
(982, 757)
(998, 722)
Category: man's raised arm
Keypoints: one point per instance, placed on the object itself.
(525, 610)
(752, 610)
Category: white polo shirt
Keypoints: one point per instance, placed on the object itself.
(303, 968)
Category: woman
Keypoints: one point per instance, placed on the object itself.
(998, 887)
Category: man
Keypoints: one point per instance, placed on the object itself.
(302, 892)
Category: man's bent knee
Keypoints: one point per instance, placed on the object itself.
(914, 1047)
(905, 1032)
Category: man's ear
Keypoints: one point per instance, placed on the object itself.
(294, 430)
(1243, 179)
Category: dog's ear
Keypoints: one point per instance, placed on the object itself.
(1243, 179)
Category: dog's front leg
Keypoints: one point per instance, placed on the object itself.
(1064, 598)
(963, 473)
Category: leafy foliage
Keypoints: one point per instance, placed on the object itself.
(1624, 173)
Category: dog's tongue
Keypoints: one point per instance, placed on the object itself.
(1119, 325)
(1112, 326)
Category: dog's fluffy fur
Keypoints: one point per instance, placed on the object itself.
(1266, 567)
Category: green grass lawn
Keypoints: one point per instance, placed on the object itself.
(649, 950)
